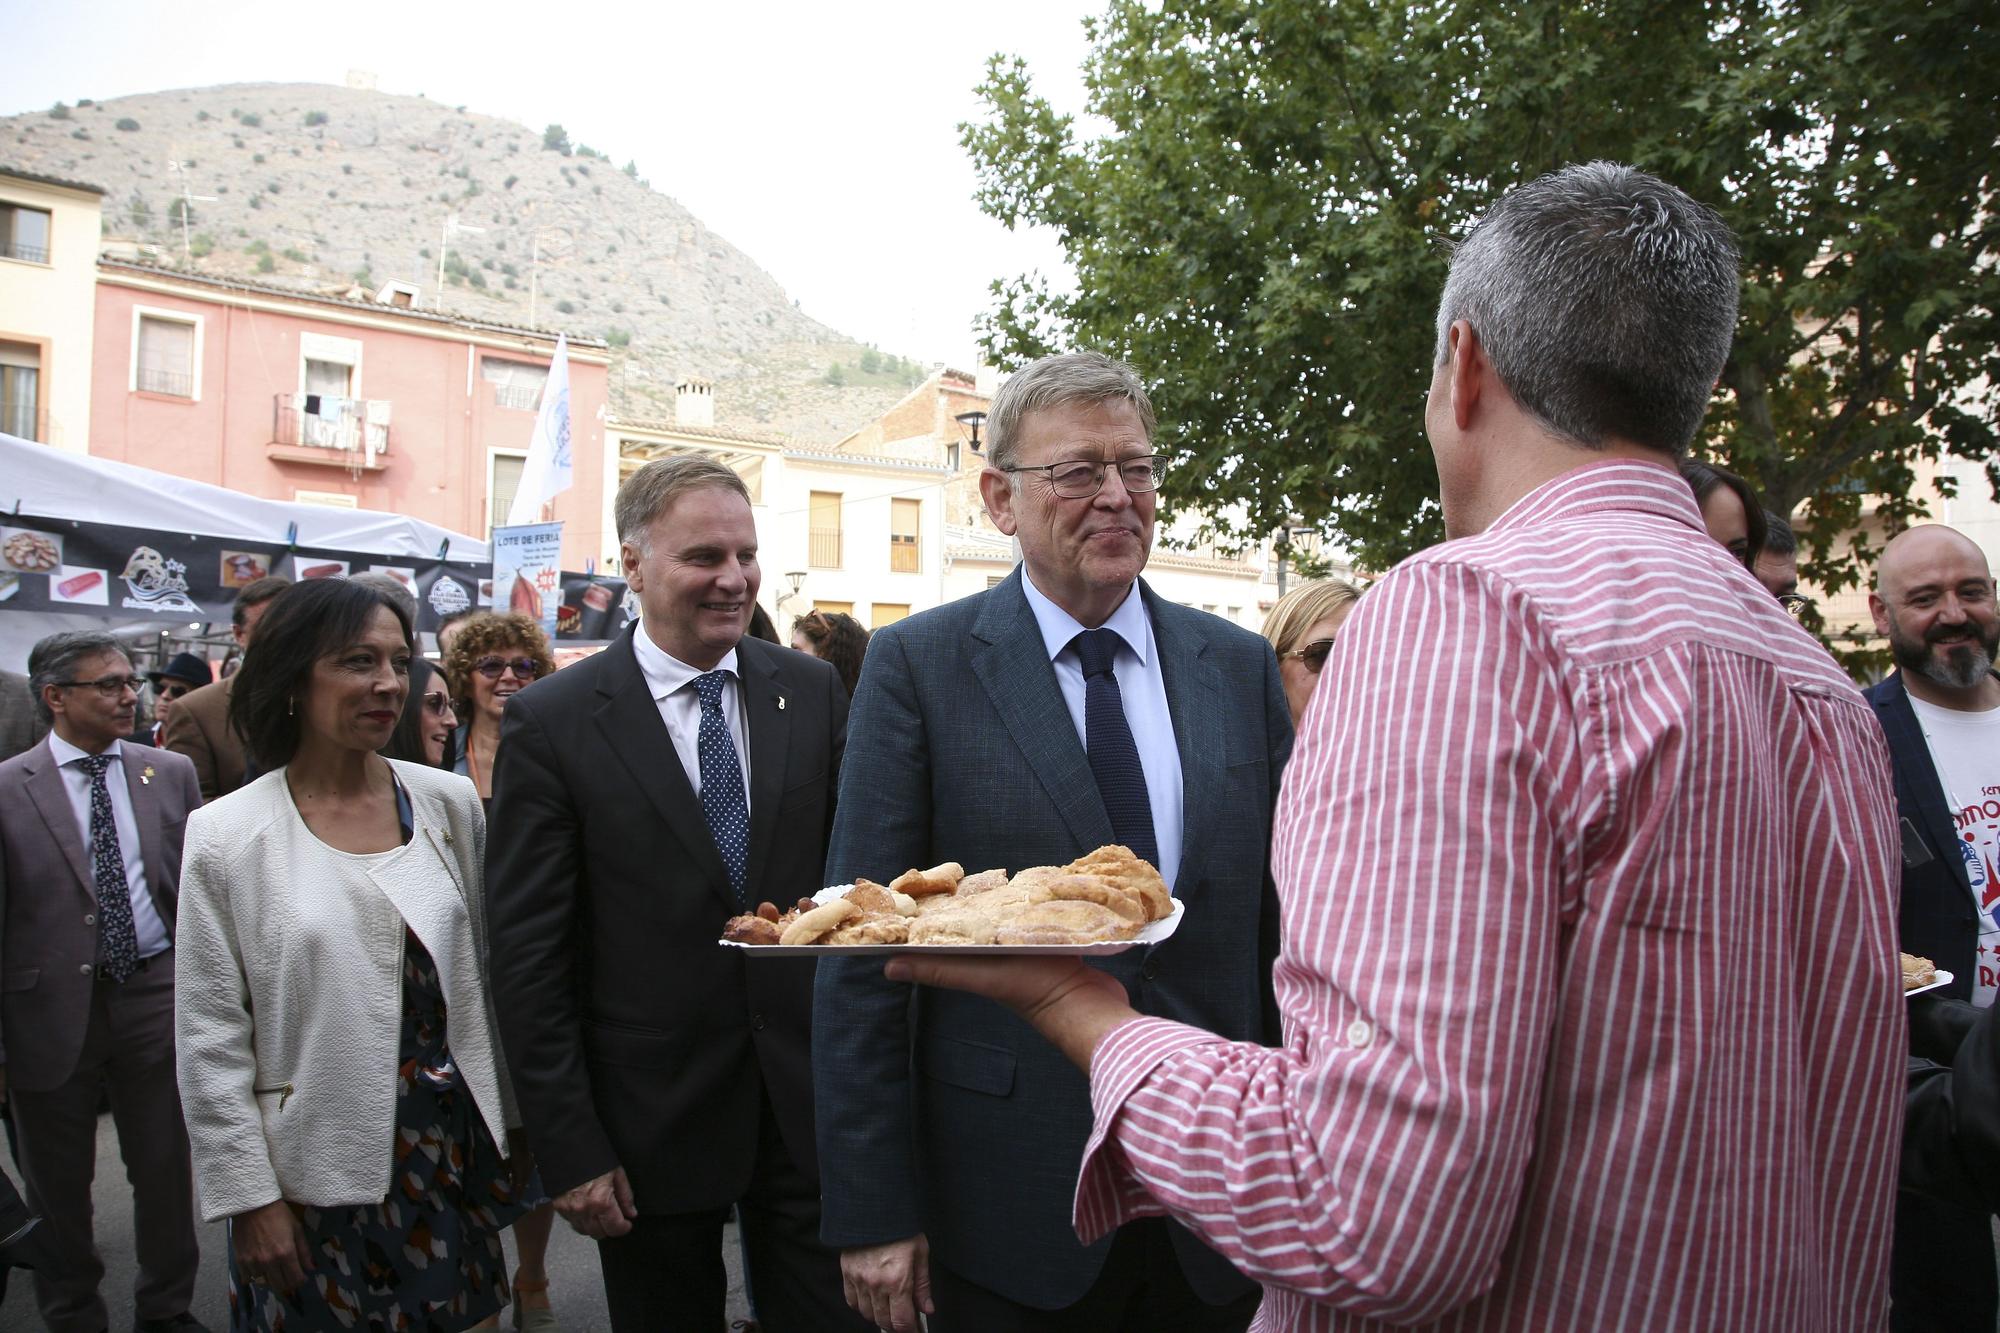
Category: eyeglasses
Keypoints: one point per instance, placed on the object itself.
(1080, 477)
(1795, 603)
(1312, 654)
(526, 668)
(437, 703)
(174, 689)
(110, 687)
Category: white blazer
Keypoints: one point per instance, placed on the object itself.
(288, 991)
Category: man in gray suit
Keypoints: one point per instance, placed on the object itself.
(1067, 708)
(17, 714)
(90, 851)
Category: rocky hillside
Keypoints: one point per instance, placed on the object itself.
(322, 187)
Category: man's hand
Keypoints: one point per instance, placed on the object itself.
(601, 1207)
(271, 1248)
(888, 1284)
(1069, 1002)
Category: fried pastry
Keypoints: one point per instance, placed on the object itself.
(1119, 867)
(752, 929)
(1095, 889)
(811, 925)
(870, 896)
(873, 928)
(923, 883)
(1917, 971)
(1064, 922)
(954, 928)
(981, 882)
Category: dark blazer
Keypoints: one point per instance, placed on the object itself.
(19, 727)
(943, 1113)
(633, 1037)
(199, 729)
(1935, 1230)
(48, 900)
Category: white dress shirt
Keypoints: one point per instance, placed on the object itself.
(1141, 687)
(147, 928)
(672, 684)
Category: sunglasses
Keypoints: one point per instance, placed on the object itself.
(174, 689)
(526, 668)
(437, 703)
(1313, 654)
(1795, 604)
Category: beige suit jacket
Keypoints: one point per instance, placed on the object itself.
(48, 900)
(199, 729)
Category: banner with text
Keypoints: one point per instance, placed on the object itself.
(527, 572)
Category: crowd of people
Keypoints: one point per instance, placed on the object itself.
(1542, 903)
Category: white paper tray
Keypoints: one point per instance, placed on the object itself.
(1944, 978)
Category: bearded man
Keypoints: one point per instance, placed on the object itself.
(1940, 710)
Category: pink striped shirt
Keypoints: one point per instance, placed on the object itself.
(1592, 1014)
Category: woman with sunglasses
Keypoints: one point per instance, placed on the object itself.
(1301, 628)
(423, 733)
(491, 659)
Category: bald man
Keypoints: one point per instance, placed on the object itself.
(1933, 599)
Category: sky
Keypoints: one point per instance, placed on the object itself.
(820, 139)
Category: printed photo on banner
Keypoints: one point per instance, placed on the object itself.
(240, 569)
(403, 574)
(73, 585)
(317, 567)
(28, 552)
(527, 572)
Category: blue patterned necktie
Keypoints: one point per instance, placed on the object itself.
(722, 802)
(1114, 756)
(117, 941)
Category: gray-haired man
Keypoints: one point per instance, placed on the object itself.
(90, 853)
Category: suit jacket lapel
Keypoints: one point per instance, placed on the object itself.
(1014, 668)
(51, 798)
(770, 731)
(1195, 701)
(629, 719)
(1912, 754)
(146, 809)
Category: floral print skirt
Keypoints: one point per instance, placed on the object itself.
(427, 1259)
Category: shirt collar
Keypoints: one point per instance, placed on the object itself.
(1622, 484)
(666, 673)
(1058, 626)
(66, 754)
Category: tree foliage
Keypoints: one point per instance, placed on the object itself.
(1259, 204)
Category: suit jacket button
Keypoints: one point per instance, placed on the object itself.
(90, 918)
(85, 969)
(757, 1022)
(1149, 972)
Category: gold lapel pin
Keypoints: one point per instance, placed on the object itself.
(781, 703)
(146, 776)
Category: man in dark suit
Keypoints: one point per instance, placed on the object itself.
(17, 715)
(1940, 710)
(183, 674)
(663, 1077)
(90, 850)
(199, 727)
(1000, 731)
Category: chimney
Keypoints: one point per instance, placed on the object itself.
(694, 403)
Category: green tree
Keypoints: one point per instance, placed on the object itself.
(871, 361)
(1259, 212)
(556, 140)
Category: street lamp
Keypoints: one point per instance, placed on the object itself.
(972, 421)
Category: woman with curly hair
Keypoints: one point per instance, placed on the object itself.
(833, 637)
(493, 657)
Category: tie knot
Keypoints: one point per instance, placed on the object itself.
(1096, 648)
(94, 764)
(709, 687)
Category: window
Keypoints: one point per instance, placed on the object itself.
(824, 533)
(886, 613)
(21, 390)
(331, 499)
(844, 608)
(329, 368)
(516, 384)
(24, 233)
(995, 580)
(503, 479)
(164, 356)
(903, 548)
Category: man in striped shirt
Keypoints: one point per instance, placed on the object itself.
(1587, 865)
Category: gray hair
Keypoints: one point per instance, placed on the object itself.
(1606, 300)
(392, 588)
(54, 659)
(645, 494)
(1059, 381)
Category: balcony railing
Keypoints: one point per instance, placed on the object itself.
(173, 383)
(519, 397)
(33, 254)
(357, 426)
(903, 557)
(824, 548)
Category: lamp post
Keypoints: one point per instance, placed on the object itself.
(451, 226)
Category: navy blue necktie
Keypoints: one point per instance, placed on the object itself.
(117, 939)
(722, 803)
(1114, 757)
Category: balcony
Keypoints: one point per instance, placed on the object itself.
(824, 548)
(33, 254)
(517, 397)
(170, 383)
(328, 431)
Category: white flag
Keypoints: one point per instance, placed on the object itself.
(547, 471)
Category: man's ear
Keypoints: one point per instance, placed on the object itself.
(1879, 609)
(996, 488)
(1467, 372)
(628, 560)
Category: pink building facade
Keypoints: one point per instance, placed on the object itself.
(336, 400)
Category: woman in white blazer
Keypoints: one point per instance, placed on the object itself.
(341, 1074)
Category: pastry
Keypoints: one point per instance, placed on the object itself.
(1917, 971)
(923, 883)
(817, 922)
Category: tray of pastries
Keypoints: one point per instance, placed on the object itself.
(1103, 903)
(1920, 975)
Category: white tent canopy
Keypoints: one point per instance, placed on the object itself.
(53, 483)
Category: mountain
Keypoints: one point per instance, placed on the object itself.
(317, 187)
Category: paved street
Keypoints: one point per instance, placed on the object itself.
(575, 1287)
